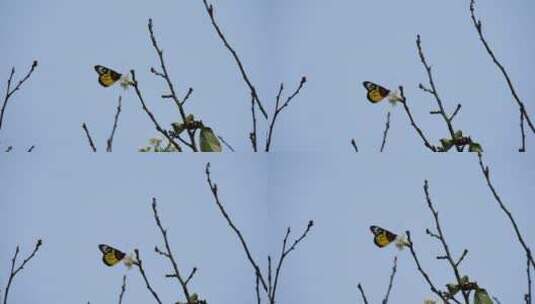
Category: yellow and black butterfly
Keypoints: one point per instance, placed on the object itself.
(376, 93)
(107, 77)
(110, 255)
(382, 237)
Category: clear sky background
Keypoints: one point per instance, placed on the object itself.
(75, 203)
(336, 44)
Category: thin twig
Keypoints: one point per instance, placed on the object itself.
(391, 281)
(213, 188)
(10, 92)
(165, 75)
(486, 173)
(478, 25)
(252, 136)
(442, 239)
(413, 123)
(433, 91)
(151, 116)
(169, 254)
(278, 109)
(354, 144)
(522, 133)
(31, 148)
(424, 274)
(123, 289)
(14, 271)
(528, 296)
(284, 254)
(359, 286)
(139, 265)
(89, 138)
(226, 143)
(9, 149)
(115, 121)
(385, 134)
(210, 11)
(258, 299)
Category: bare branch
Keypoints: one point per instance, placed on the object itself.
(151, 116)
(226, 143)
(433, 91)
(486, 173)
(390, 283)
(89, 138)
(123, 289)
(354, 144)
(444, 243)
(424, 274)
(139, 264)
(210, 11)
(15, 270)
(522, 133)
(413, 123)
(385, 134)
(109, 142)
(528, 296)
(213, 188)
(278, 109)
(478, 26)
(173, 95)
(359, 286)
(10, 91)
(284, 253)
(169, 254)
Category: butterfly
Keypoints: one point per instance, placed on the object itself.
(110, 255)
(376, 93)
(107, 77)
(382, 237)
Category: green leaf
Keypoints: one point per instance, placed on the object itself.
(446, 144)
(458, 134)
(453, 289)
(475, 147)
(482, 297)
(177, 127)
(209, 142)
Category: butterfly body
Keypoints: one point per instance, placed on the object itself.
(107, 77)
(382, 237)
(110, 255)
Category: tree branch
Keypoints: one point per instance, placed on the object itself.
(139, 264)
(210, 11)
(123, 289)
(169, 254)
(151, 116)
(433, 91)
(390, 283)
(89, 138)
(413, 123)
(109, 142)
(173, 95)
(10, 92)
(486, 173)
(424, 274)
(15, 270)
(385, 134)
(442, 239)
(359, 286)
(478, 26)
(278, 109)
(354, 144)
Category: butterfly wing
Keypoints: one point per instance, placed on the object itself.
(110, 255)
(382, 237)
(376, 93)
(106, 77)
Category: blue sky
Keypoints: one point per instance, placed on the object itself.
(76, 203)
(337, 45)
